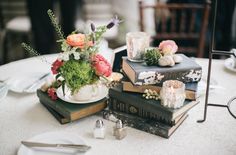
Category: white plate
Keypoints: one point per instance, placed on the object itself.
(102, 93)
(52, 137)
(20, 83)
(229, 64)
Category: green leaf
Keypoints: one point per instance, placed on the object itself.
(57, 76)
(63, 87)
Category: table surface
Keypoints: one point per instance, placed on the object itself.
(22, 117)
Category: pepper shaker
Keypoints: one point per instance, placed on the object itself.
(99, 130)
(119, 131)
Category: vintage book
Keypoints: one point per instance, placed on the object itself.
(72, 111)
(135, 104)
(190, 89)
(141, 74)
(58, 116)
(147, 125)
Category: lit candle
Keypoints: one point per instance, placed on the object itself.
(172, 94)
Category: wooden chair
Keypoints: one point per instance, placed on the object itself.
(180, 25)
(14, 22)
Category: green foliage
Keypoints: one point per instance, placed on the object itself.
(98, 33)
(152, 56)
(77, 74)
(65, 47)
(55, 24)
(33, 52)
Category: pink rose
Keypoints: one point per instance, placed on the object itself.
(168, 47)
(101, 65)
(56, 65)
(52, 93)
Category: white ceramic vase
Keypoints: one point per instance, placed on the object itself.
(87, 92)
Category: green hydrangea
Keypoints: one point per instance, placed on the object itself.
(77, 74)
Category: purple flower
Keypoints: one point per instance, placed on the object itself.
(92, 27)
(113, 22)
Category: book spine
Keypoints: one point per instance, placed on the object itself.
(129, 87)
(52, 104)
(119, 106)
(148, 126)
(152, 77)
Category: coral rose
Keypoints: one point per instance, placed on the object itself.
(78, 40)
(168, 47)
(101, 65)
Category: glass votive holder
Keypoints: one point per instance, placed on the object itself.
(172, 94)
(136, 43)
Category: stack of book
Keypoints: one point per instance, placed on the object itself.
(66, 112)
(126, 101)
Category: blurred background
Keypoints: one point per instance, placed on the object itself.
(27, 21)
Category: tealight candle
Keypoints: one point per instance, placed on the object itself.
(172, 94)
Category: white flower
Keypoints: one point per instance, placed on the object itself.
(64, 56)
(76, 55)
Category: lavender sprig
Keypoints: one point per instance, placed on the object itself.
(114, 22)
(93, 28)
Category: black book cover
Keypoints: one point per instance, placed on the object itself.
(135, 104)
(146, 125)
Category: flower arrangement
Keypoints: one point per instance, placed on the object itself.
(79, 63)
(163, 55)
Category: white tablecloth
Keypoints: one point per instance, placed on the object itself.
(22, 116)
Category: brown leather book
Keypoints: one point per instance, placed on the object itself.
(191, 89)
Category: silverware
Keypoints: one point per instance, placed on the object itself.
(35, 83)
(80, 147)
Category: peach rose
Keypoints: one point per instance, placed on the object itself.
(78, 40)
(168, 47)
(101, 65)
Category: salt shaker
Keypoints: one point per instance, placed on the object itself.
(119, 131)
(99, 130)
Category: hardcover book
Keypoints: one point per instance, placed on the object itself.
(147, 125)
(58, 116)
(70, 111)
(141, 74)
(135, 104)
(190, 89)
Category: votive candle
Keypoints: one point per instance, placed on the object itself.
(172, 94)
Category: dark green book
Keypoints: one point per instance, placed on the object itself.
(58, 116)
(71, 111)
(147, 125)
(141, 74)
(135, 104)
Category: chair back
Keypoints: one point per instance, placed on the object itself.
(185, 23)
(10, 9)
